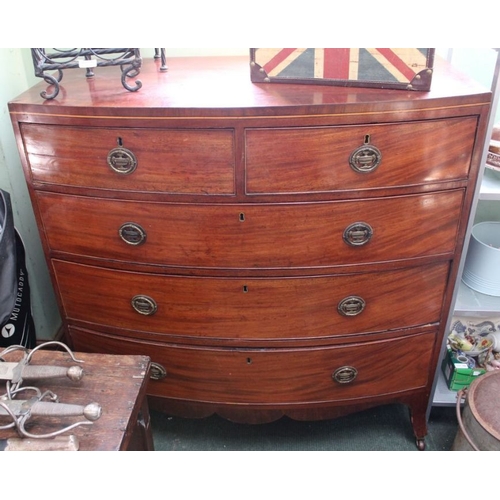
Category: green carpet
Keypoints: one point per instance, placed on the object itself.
(385, 428)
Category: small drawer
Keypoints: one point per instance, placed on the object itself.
(322, 159)
(275, 376)
(229, 236)
(252, 309)
(151, 160)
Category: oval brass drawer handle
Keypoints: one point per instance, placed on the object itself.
(144, 305)
(132, 233)
(351, 306)
(358, 234)
(365, 159)
(157, 371)
(345, 374)
(122, 161)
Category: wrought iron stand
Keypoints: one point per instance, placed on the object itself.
(129, 60)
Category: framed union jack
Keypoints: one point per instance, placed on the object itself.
(407, 69)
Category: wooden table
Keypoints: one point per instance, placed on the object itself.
(116, 383)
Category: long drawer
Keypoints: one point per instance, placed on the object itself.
(276, 376)
(315, 159)
(258, 308)
(253, 236)
(168, 161)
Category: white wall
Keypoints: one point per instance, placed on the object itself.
(478, 63)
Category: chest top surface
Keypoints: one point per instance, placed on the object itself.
(221, 86)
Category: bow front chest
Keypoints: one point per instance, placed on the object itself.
(275, 249)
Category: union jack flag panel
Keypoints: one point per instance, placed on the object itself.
(409, 69)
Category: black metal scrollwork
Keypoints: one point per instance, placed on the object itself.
(129, 60)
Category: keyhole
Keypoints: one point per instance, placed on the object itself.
(245, 289)
(249, 361)
(367, 139)
(242, 217)
(119, 141)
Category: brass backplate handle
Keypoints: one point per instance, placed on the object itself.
(351, 306)
(122, 161)
(345, 374)
(365, 159)
(358, 234)
(144, 305)
(157, 371)
(132, 233)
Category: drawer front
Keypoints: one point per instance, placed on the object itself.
(253, 236)
(169, 161)
(298, 160)
(277, 376)
(259, 308)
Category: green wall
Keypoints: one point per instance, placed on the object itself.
(16, 77)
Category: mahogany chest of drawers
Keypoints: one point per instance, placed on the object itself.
(276, 249)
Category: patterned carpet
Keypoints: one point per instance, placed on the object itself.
(386, 428)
